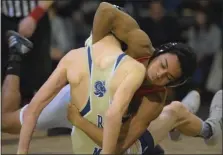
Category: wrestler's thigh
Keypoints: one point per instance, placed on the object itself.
(11, 122)
(165, 122)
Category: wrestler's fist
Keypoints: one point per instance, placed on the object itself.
(73, 115)
(27, 26)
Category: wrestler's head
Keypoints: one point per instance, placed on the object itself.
(172, 64)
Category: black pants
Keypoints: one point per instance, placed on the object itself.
(36, 65)
(148, 147)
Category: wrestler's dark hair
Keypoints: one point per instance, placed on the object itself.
(186, 56)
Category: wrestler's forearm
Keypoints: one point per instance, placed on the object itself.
(110, 19)
(42, 98)
(102, 24)
(136, 129)
(26, 133)
(95, 133)
(149, 110)
(111, 133)
(31, 115)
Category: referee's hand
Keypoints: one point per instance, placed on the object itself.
(27, 26)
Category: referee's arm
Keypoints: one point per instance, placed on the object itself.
(42, 7)
(46, 4)
(27, 26)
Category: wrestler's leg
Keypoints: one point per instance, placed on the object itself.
(168, 117)
(211, 129)
(176, 115)
(192, 102)
(160, 127)
(11, 96)
(173, 115)
(54, 115)
(10, 105)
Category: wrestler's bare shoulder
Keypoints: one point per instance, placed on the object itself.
(74, 55)
(76, 66)
(133, 64)
(129, 68)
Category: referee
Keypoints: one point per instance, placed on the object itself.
(30, 19)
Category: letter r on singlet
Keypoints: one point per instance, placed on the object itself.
(100, 121)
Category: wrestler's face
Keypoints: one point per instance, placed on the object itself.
(163, 69)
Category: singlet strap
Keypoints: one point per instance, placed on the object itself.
(120, 57)
(89, 58)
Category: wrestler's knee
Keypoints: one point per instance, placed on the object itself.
(176, 108)
(4, 122)
(10, 122)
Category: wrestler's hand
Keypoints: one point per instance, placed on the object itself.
(73, 115)
(27, 26)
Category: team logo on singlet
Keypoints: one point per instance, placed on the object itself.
(100, 89)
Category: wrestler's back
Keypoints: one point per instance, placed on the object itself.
(104, 53)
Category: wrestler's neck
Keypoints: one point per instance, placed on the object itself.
(145, 63)
(146, 82)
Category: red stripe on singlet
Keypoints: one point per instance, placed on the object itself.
(144, 91)
(142, 59)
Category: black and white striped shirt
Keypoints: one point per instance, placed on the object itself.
(18, 8)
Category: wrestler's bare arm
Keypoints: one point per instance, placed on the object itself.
(120, 103)
(148, 111)
(110, 19)
(90, 129)
(46, 93)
